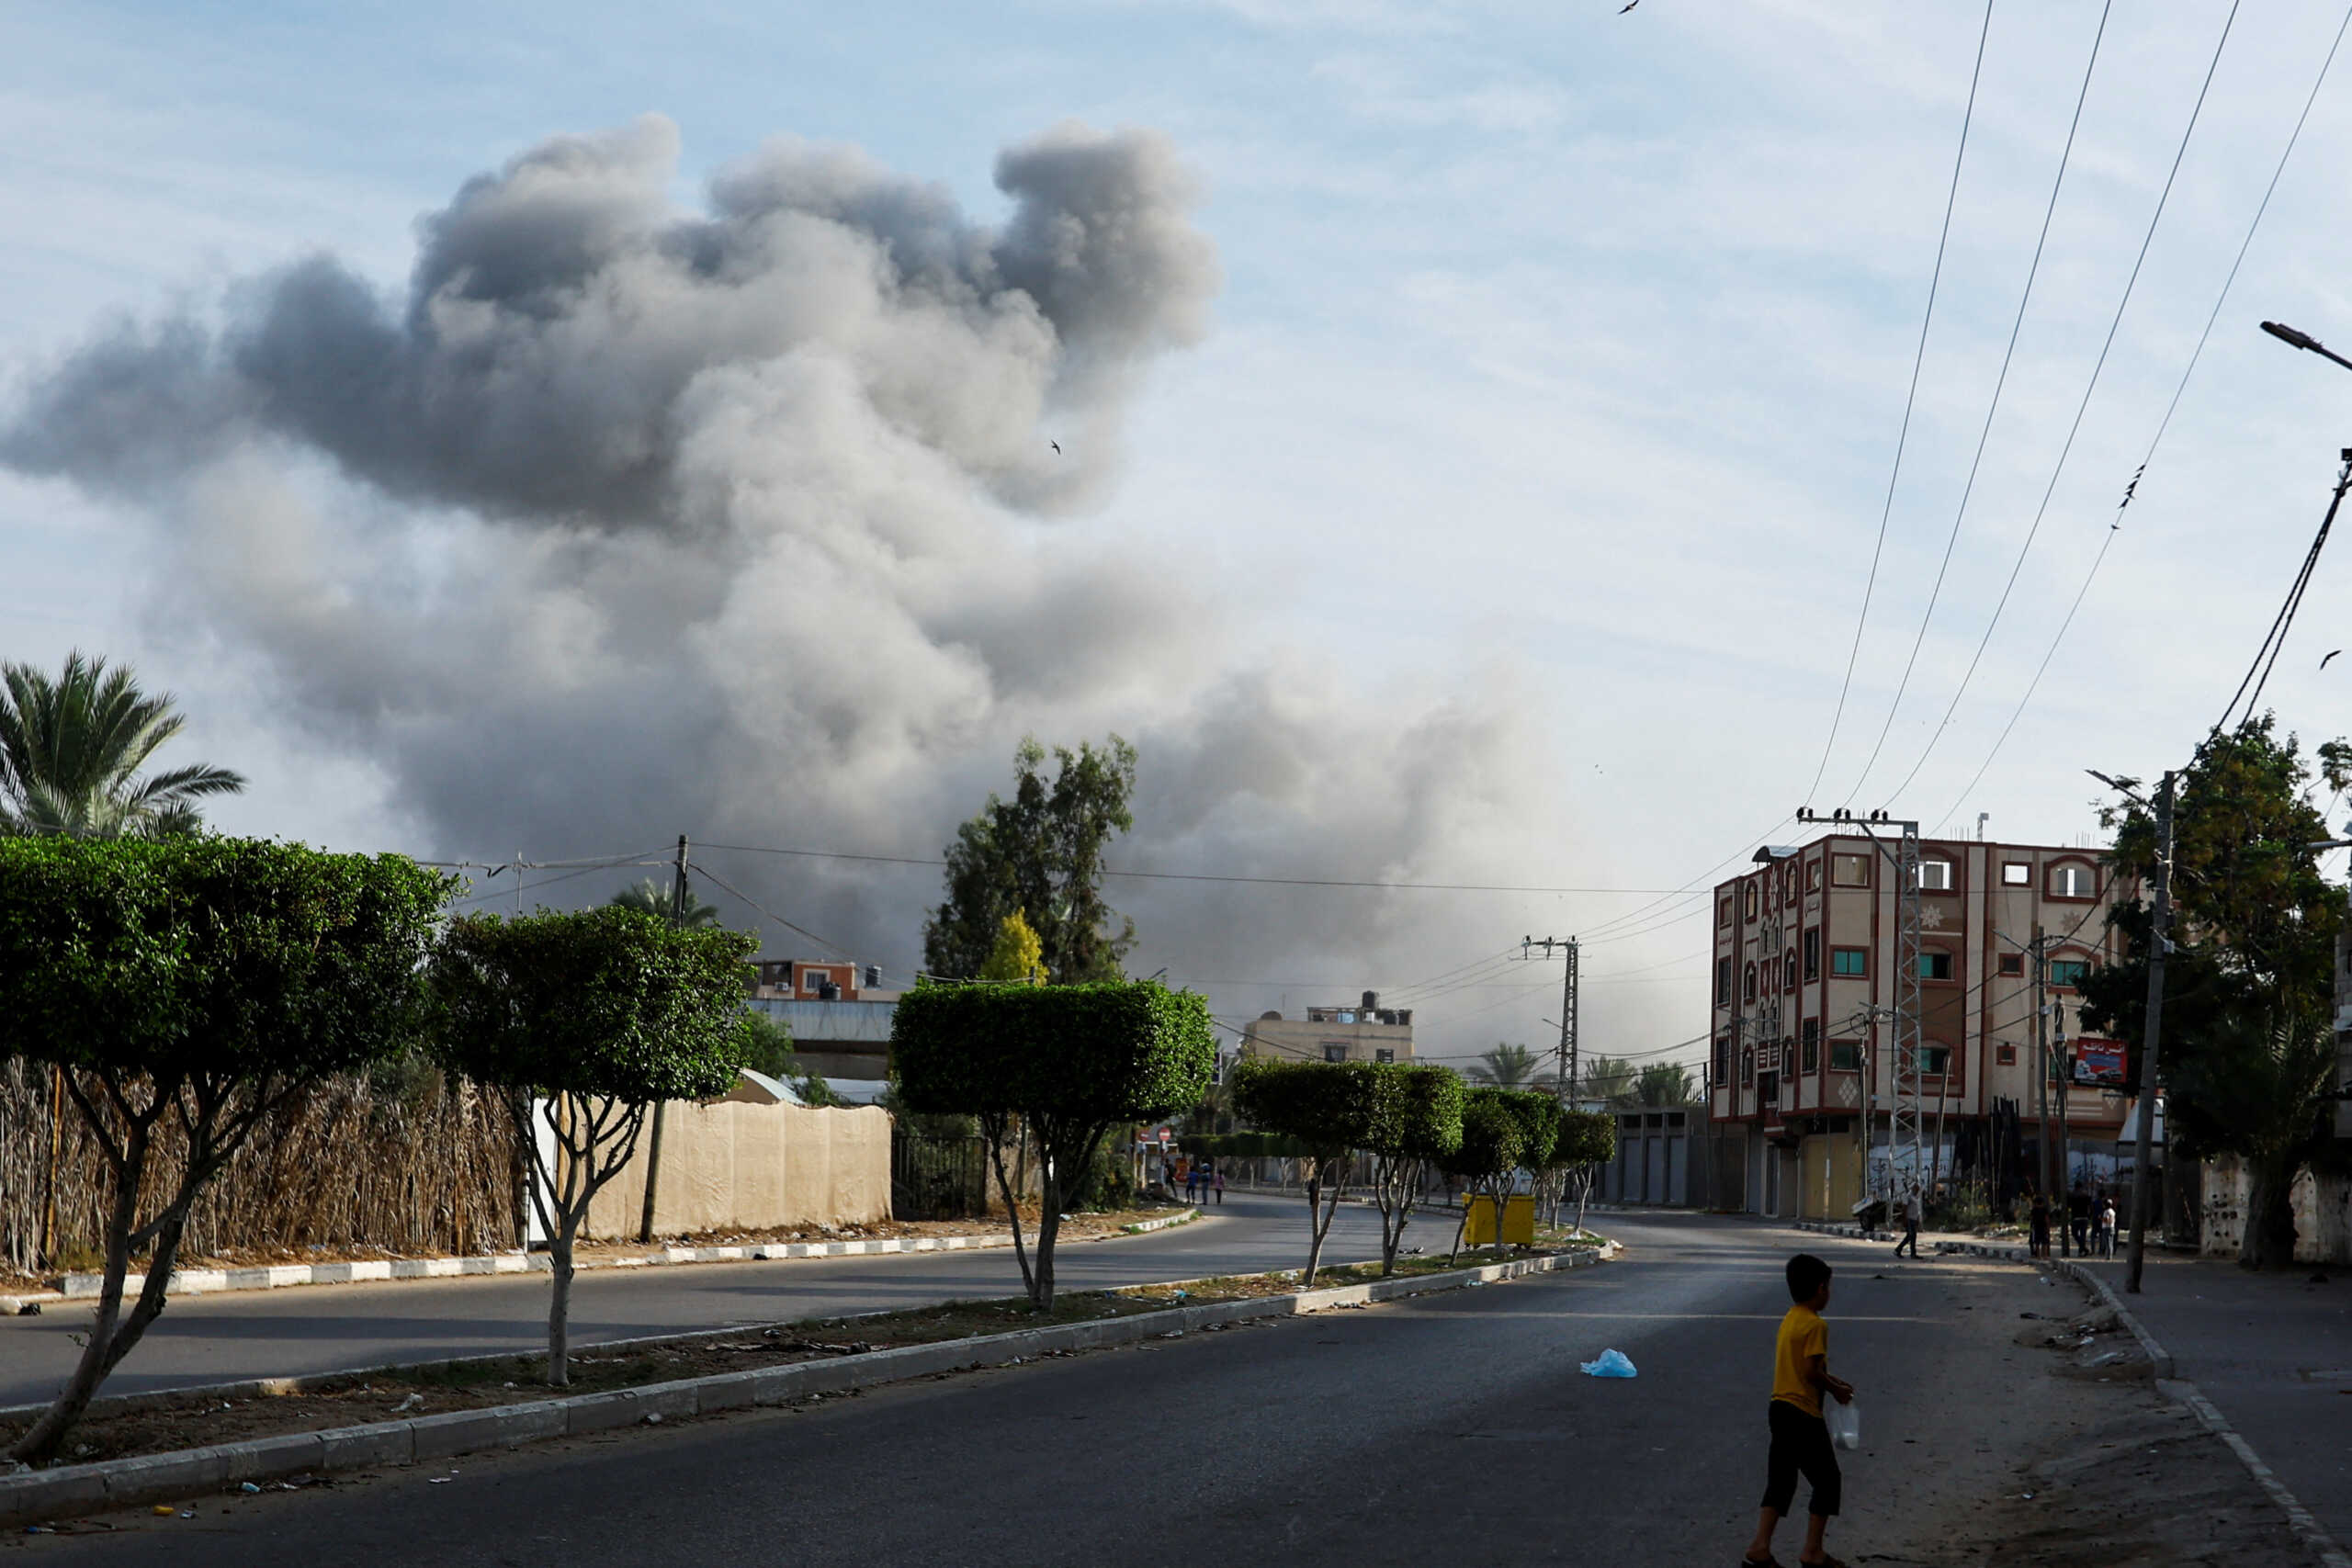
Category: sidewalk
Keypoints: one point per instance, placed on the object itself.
(2273, 1352)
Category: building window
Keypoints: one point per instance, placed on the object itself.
(1935, 964)
(1747, 983)
(2073, 880)
(1722, 979)
(1849, 871)
(2013, 964)
(1789, 885)
(1845, 1055)
(1934, 875)
(2006, 1055)
(1747, 1064)
(2015, 874)
(1811, 943)
(1747, 901)
(1384, 1054)
(1932, 1060)
(1334, 1051)
(1809, 1040)
(1788, 975)
(1723, 1058)
(2068, 973)
(1812, 874)
(1849, 961)
(1723, 911)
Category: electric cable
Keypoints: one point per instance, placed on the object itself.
(826, 943)
(2017, 325)
(2081, 408)
(1910, 399)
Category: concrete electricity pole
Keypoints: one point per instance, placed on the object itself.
(2041, 1054)
(1566, 1066)
(653, 1133)
(2160, 943)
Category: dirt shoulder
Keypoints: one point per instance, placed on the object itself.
(2058, 1450)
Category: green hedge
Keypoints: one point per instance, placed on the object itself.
(1110, 1052)
(1241, 1145)
(1494, 1139)
(1587, 1137)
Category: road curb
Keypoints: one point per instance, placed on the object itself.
(1968, 1249)
(284, 1276)
(2158, 1356)
(41, 1495)
(2298, 1519)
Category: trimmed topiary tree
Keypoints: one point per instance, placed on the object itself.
(197, 985)
(1327, 1107)
(1068, 1062)
(1587, 1140)
(1415, 1120)
(587, 1018)
(1494, 1141)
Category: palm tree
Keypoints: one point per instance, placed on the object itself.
(1666, 1083)
(1506, 1067)
(71, 749)
(1612, 1080)
(653, 898)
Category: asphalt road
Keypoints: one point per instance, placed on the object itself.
(286, 1333)
(1451, 1428)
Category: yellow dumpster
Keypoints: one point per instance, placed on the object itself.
(1519, 1221)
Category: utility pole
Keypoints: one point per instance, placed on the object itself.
(2063, 1066)
(1565, 1066)
(2042, 1057)
(653, 1134)
(2160, 943)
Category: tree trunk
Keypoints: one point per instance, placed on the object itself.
(559, 1300)
(40, 1445)
(2268, 1241)
(1049, 1224)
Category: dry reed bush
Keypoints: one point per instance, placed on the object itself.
(404, 1159)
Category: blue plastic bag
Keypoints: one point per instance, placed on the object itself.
(1613, 1364)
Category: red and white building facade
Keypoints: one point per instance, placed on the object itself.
(1804, 949)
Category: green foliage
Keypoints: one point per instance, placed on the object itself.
(1326, 1106)
(1541, 1122)
(207, 958)
(602, 1002)
(658, 898)
(1108, 1184)
(1117, 1051)
(1040, 855)
(70, 748)
(1018, 954)
(1506, 1066)
(767, 1048)
(1665, 1083)
(1609, 1079)
(1241, 1145)
(1494, 1140)
(1587, 1137)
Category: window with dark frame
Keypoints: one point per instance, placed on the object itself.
(1811, 946)
(1809, 1040)
(1849, 871)
(1845, 1055)
(1935, 877)
(2013, 965)
(1935, 964)
(2072, 879)
(2069, 973)
(1850, 962)
(2015, 874)
(1812, 874)
(2007, 1056)
(1722, 979)
(1747, 983)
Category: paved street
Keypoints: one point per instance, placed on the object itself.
(215, 1339)
(2274, 1354)
(1388, 1436)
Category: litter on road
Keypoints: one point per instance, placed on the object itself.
(1611, 1364)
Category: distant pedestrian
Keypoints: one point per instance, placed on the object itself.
(1220, 1184)
(1800, 1436)
(2079, 1219)
(1191, 1184)
(2106, 1227)
(2038, 1244)
(1910, 1216)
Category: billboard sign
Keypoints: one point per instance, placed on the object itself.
(2099, 1064)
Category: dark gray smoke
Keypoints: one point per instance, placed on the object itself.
(622, 521)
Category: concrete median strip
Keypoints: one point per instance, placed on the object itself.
(283, 1276)
(40, 1496)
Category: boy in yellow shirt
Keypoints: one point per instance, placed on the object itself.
(1800, 1436)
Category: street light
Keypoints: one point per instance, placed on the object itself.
(2304, 341)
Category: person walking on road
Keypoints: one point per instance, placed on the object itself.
(2039, 1244)
(1910, 1216)
(1801, 1443)
(2106, 1227)
(2079, 1219)
(1191, 1184)
(1218, 1180)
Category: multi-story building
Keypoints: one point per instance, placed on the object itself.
(840, 1018)
(1804, 951)
(1369, 1032)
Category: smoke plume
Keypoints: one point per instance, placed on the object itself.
(748, 520)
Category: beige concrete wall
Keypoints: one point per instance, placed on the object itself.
(729, 1166)
(2323, 1214)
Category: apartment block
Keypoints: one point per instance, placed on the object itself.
(1339, 1033)
(1803, 947)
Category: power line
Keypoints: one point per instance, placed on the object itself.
(2081, 408)
(2034, 271)
(828, 945)
(2164, 423)
(1910, 397)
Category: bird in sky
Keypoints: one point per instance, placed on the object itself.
(2323, 663)
(1057, 446)
(1629, 6)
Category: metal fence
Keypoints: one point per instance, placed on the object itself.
(938, 1179)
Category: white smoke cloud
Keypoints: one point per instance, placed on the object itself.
(748, 520)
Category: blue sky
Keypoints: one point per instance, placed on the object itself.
(1555, 369)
